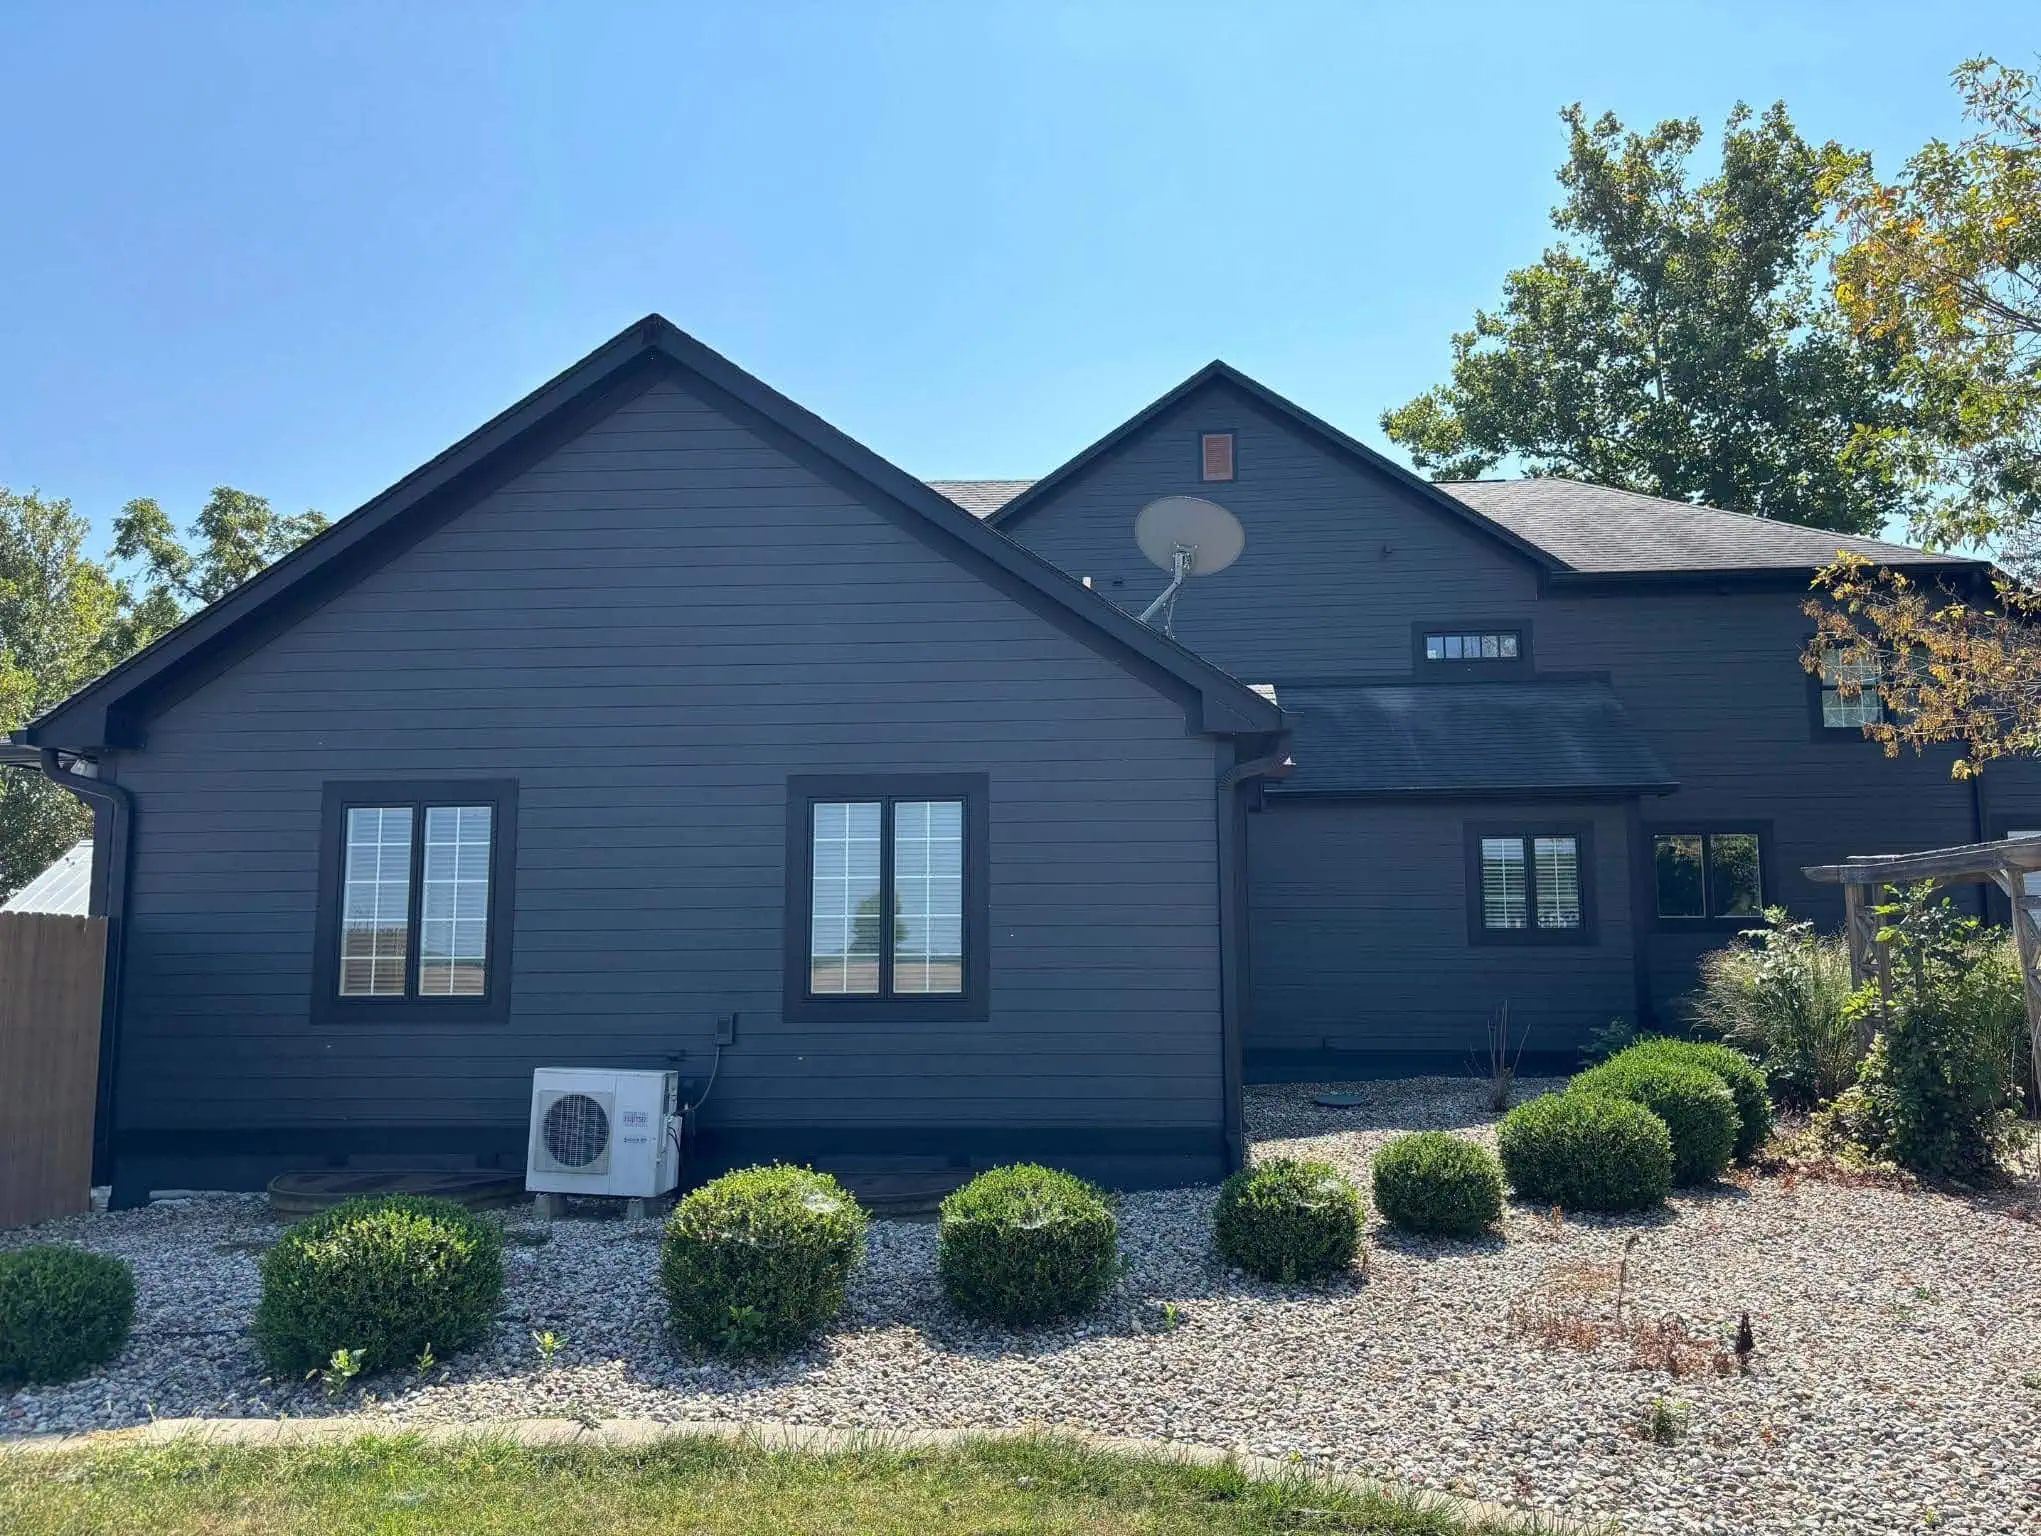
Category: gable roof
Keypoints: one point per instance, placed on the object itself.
(1568, 527)
(1597, 528)
(107, 712)
(1541, 737)
(1018, 505)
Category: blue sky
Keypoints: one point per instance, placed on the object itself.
(300, 248)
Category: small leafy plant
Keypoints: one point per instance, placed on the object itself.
(548, 1344)
(1665, 1421)
(425, 1359)
(338, 1373)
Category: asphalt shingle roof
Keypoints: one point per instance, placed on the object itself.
(981, 498)
(1451, 737)
(1597, 529)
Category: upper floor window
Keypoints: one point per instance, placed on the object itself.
(887, 897)
(1215, 454)
(1849, 694)
(1703, 875)
(1475, 645)
(1529, 885)
(414, 918)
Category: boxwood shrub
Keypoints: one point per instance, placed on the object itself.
(1432, 1182)
(1026, 1244)
(1587, 1152)
(1694, 1103)
(62, 1311)
(386, 1276)
(1289, 1221)
(756, 1262)
(1742, 1076)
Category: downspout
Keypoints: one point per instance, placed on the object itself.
(1233, 914)
(113, 816)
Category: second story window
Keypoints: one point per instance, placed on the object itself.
(1849, 694)
(1482, 645)
(1215, 456)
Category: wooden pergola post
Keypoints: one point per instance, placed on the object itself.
(2005, 864)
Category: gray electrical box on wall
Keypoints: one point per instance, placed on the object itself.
(726, 1029)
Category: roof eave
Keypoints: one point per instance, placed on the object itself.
(93, 719)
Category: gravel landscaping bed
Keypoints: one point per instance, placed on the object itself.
(1896, 1381)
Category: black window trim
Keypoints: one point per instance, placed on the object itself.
(338, 797)
(971, 1006)
(1478, 932)
(1427, 670)
(1233, 455)
(1708, 828)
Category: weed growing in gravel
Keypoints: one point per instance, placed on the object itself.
(2031, 1381)
(1665, 1421)
(338, 1374)
(548, 1345)
(426, 1359)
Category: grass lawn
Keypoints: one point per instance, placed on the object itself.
(683, 1485)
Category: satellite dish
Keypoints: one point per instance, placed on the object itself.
(1211, 533)
(1187, 536)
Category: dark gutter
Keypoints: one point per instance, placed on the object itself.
(1485, 792)
(113, 818)
(1235, 1000)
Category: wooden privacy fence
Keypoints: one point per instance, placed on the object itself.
(51, 969)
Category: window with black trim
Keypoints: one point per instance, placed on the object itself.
(1529, 884)
(887, 897)
(1711, 875)
(1485, 645)
(415, 900)
(1215, 455)
(1849, 698)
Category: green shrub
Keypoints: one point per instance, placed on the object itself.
(1744, 1079)
(1780, 993)
(1025, 1244)
(1694, 1103)
(1587, 1152)
(384, 1276)
(62, 1311)
(1288, 1221)
(1939, 1092)
(757, 1261)
(1432, 1182)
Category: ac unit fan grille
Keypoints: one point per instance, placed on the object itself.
(576, 1130)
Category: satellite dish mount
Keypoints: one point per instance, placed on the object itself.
(1186, 536)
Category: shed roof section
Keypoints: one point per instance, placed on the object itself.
(1466, 738)
(109, 712)
(64, 888)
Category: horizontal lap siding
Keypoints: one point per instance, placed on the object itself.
(1360, 938)
(1339, 562)
(650, 632)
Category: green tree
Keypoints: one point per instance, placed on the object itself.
(235, 536)
(60, 620)
(1945, 265)
(1678, 339)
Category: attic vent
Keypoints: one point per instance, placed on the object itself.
(1217, 455)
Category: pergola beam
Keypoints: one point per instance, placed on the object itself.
(1970, 861)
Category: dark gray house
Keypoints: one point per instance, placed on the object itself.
(610, 732)
(1553, 741)
(656, 714)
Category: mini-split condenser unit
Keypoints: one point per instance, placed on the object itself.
(597, 1131)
